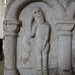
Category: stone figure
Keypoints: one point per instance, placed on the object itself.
(40, 29)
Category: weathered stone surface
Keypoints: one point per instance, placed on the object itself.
(34, 18)
(25, 35)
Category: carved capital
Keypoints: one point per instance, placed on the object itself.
(64, 24)
(65, 27)
(11, 27)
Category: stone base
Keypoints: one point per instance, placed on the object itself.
(45, 73)
(39, 73)
(65, 73)
(42, 73)
(10, 72)
(23, 71)
(53, 71)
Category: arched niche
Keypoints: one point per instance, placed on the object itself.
(15, 9)
(26, 53)
(20, 16)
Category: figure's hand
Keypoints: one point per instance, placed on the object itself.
(32, 36)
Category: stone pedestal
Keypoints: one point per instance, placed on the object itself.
(11, 33)
(65, 48)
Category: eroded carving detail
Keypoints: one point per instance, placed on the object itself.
(41, 31)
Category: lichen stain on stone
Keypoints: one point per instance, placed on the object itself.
(29, 53)
(28, 43)
(25, 60)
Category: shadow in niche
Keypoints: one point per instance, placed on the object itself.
(74, 17)
(1, 58)
(18, 72)
(49, 48)
(1, 49)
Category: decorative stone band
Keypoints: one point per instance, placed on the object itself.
(11, 30)
(64, 21)
(12, 22)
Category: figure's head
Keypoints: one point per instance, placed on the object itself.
(38, 15)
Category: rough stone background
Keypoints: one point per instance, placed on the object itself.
(25, 43)
(26, 47)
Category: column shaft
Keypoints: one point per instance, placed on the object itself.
(65, 51)
(11, 33)
(65, 48)
(10, 52)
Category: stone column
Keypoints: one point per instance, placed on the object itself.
(11, 33)
(65, 48)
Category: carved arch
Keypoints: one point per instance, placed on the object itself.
(16, 8)
(18, 5)
(71, 9)
(57, 8)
